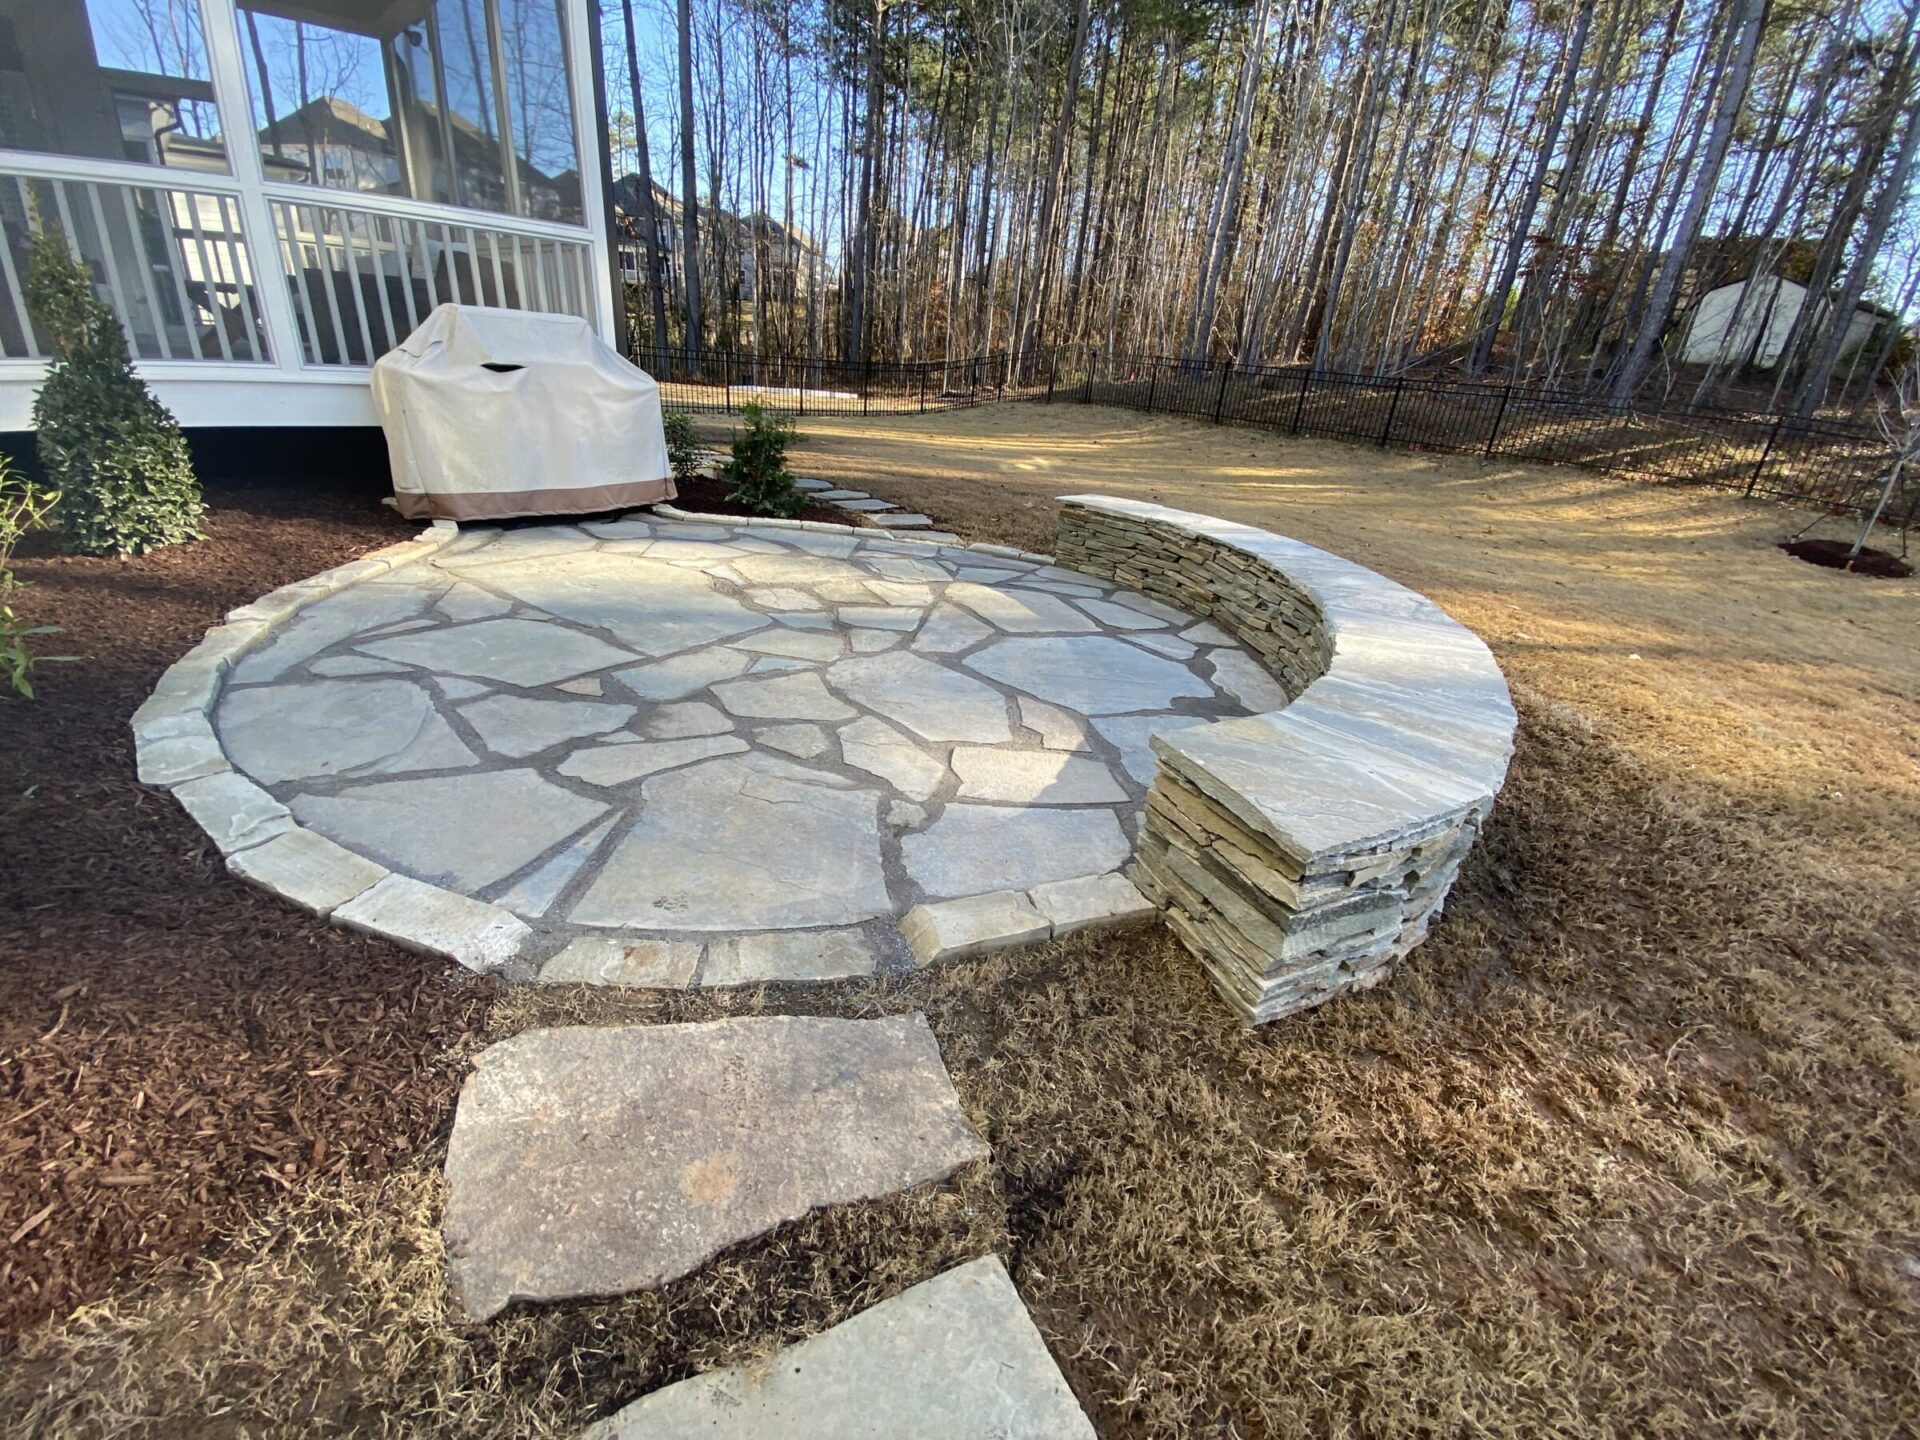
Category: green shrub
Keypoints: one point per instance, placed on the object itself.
(758, 469)
(684, 451)
(24, 506)
(115, 455)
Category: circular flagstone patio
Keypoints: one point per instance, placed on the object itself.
(703, 753)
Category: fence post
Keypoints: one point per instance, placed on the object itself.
(1766, 454)
(800, 385)
(1498, 415)
(1299, 405)
(1393, 408)
(923, 387)
(1093, 364)
(1153, 382)
(1220, 396)
(726, 380)
(866, 389)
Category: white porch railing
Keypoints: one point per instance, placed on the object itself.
(362, 277)
(176, 263)
(172, 260)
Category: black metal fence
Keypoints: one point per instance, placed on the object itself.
(1770, 456)
(721, 382)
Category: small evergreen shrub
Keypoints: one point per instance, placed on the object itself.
(116, 457)
(24, 506)
(758, 470)
(684, 452)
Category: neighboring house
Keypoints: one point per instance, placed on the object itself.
(1749, 320)
(792, 256)
(261, 253)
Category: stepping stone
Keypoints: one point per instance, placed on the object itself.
(842, 495)
(876, 747)
(932, 701)
(1021, 612)
(1033, 777)
(287, 732)
(601, 1160)
(975, 848)
(514, 652)
(517, 727)
(868, 505)
(801, 482)
(1093, 674)
(461, 831)
(744, 842)
(956, 1357)
(902, 521)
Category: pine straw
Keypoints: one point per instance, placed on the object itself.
(1631, 1149)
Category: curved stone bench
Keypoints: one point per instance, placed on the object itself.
(1304, 852)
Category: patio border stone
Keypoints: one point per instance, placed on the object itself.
(1304, 852)
(175, 749)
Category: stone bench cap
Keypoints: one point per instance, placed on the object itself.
(1408, 731)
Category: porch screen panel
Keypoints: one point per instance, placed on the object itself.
(457, 102)
(172, 263)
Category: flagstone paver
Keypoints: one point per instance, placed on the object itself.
(954, 1358)
(755, 746)
(597, 1160)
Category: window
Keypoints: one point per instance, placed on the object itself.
(109, 80)
(463, 102)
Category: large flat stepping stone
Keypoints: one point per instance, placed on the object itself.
(598, 1161)
(955, 1358)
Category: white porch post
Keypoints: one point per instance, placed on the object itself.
(221, 25)
(582, 54)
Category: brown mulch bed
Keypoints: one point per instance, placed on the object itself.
(177, 1047)
(709, 497)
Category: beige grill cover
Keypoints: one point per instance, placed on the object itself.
(496, 413)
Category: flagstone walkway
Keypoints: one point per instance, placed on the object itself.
(685, 753)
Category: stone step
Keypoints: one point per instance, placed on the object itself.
(600, 1160)
(903, 521)
(842, 495)
(807, 482)
(957, 1356)
(866, 505)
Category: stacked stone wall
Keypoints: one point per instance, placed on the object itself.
(1304, 853)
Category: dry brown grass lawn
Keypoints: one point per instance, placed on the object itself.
(1630, 1147)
